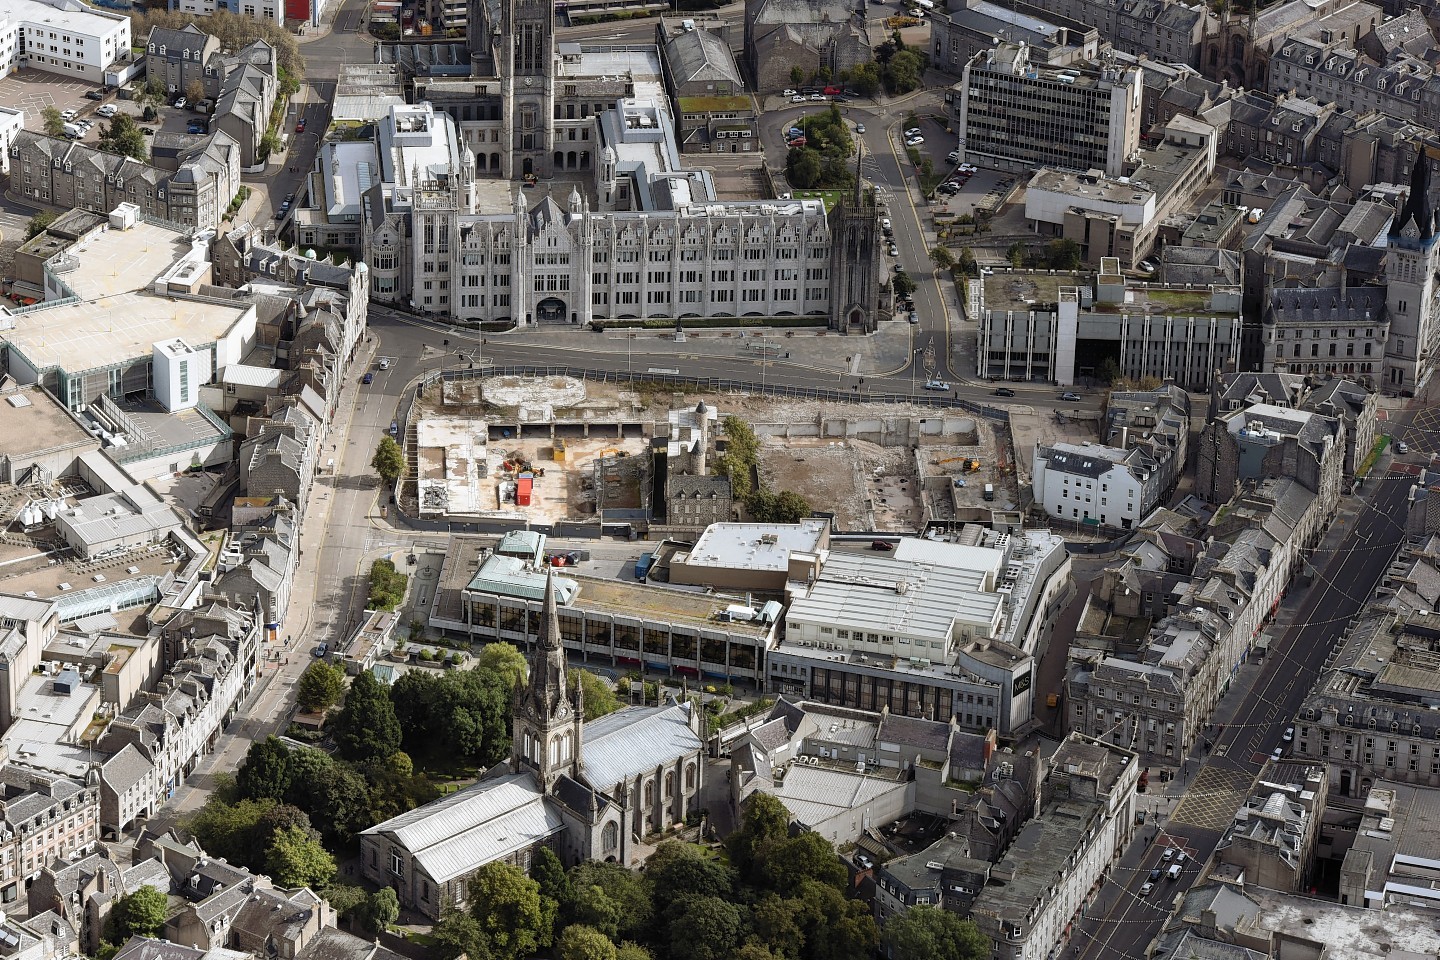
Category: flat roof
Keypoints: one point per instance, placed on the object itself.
(72, 18)
(756, 546)
(645, 601)
(31, 421)
(118, 261)
(1091, 185)
(113, 329)
(1024, 290)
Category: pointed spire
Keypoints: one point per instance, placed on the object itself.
(549, 638)
(1417, 207)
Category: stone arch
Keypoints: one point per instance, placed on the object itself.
(610, 838)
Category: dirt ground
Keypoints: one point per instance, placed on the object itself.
(866, 486)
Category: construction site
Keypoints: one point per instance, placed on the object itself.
(547, 449)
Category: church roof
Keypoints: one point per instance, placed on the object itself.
(1417, 209)
(479, 825)
(635, 740)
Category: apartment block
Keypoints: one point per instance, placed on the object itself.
(63, 37)
(1171, 31)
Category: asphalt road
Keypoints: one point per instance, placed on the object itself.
(1346, 579)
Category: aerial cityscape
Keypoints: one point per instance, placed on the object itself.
(707, 480)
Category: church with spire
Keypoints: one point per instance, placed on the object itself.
(1412, 297)
(587, 791)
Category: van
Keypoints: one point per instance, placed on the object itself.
(74, 131)
(1174, 872)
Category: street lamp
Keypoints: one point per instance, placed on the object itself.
(914, 362)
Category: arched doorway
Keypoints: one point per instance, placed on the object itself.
(527, 168)
(551, 310)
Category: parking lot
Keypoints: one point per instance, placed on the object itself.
(32, 91)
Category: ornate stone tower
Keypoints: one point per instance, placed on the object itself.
(547, 720)
(854, 261)
(527, 84)
(1412, 295)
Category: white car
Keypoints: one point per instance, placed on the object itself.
(108, 110)
(859, 128)
(817, 97)
(937, 385)
(1146, 888)
(884, 223)
(69, 115)
(788, 93)
(968, 167)
(1277, 754)
(953, 156)
(1402, 448)
(913, 132)
(1289, 734)
(798, 98)
(914, 141)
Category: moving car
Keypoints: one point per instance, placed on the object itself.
(1071, 397)
(321, 650)
(1173, 873)
(937, 385)
(859, 128)
(368, 378)
(1155, 873)
(1004, 392)
(1169, 854)
(1146, 888)
(881, 545)
(300, 125)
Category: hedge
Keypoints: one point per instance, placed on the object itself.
(708, 323)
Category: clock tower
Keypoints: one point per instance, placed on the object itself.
(527, 83)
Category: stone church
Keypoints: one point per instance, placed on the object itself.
(587, 791)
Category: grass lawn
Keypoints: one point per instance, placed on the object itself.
(831, 197)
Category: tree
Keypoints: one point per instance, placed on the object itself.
(836, 927)
(265, 771)
(507, 906)
(280, 817)
(679, 870)
(320, 687)
(54, 122)
(233, 30)
(195, 91)
(1063, 254)
(786, 506)
(458, 933)
(503, 660)
(547, 870)
(903, 71)
(611, 899)
(463, 712)
(776, 923)
(933, 933)
(387, 585)
(297, 859)
(966, 261)
(599, 698)
(39, 224)
(139, 914)
(1016, 255)
(764, 822)
(346, 898)
(389, 461)
(942, 258)
(366, 726)
(703, 928)
(341, 800)
(797, 74)
(807, 857)
(866, 79)
(631, 951)
(122, 135)
(579, 942)
(225, 830)
(902, 284)
(802, 167)
(379, 911)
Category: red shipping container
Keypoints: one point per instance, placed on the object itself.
(522, 490)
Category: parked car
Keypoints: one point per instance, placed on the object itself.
(788, 93)
(1402, 448)
(937, 385)
(195, 128)
(1004, 392)
(107, 110)
(817, 96)
(913, 132)
(68, 115)
(914, 141)
(885, 224)
(148, 131)
(1069, 397)
(881, 545)
(798, 98)
(1278, 753)
(893, 250)
(284, 207)
(1289, 734)
(94, 95)
(953, 156)
(180, 103)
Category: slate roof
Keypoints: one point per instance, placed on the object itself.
(125, 769)
(457, 834)
(635, 740)
(333, 944)
(188, 39)
(696, 56)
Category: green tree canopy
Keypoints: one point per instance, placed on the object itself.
(787, 506)
(461, 712)
(39, 224)
(265, 771)
(631, 951)
(599, 698)
(509, 909)
(933, 933)
(233, 30)
(389, 460)
(803, 167)
(227, 830)
(380, 910)
(547, 870)
(679, 870)
(54, 123)
(122, 135)
(836, 928)
(282, 816)
(797, 74)
(764, 822)
(942, 258)
(457, 934)
(579, 942)
(902, 284)
(610, 898)
(366, 726)
(806, 857)
(139, 914)
(503, 660)
(320, 686)
(297, 859)
(387, 585)
(703, 927)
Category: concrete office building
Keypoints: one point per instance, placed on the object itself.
(64, 37)
(1170, 31)
(974, 26)
(1015, 115)
(1272, 839)
(753, 556)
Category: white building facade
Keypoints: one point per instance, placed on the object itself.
(64, 37)
(1094, 484)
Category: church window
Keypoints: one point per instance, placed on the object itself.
(609, 838)
(397, 865)
(669, 784)
(690, 769)
(649, 792)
